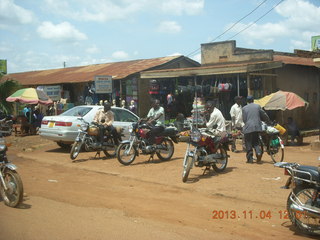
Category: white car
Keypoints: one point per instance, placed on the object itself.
(63, 128)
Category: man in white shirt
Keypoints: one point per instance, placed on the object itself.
(216, 123)
(156, 118)
(236, 121)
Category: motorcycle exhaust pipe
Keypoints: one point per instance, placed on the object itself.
(305, 211)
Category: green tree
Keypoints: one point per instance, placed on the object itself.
(6, 89)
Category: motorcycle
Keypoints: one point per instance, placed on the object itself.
(11, 188)
(6, 126)
(138, 143)
(206, 150)
(88, 138)
(271, 142)
(303, 204)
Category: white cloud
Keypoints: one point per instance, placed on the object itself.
(169, 27)
(300, 21)
(92, 50)
(106, 10)
(179, 7)
(120, 55)
(12, 14)
(60, 32)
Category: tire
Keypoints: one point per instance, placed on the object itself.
(64, 145)
(306, 224)
(126, 158)
(166, 153)
(261, 145)
(75, 150)
(14, 195)
(111, 151)
(221, 166)
(187, 167)
(276, 152)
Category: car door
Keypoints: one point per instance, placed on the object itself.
(124, 119)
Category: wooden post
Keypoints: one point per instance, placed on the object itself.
(248, 84)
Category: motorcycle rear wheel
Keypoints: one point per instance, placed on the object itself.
(75, 150)
(111, 151)
(222, 164)
(306, 224)
(125, 156)
(14, 194)
(166, 153)
(187, 167)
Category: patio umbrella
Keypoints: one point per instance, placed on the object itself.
(281, 100)
(30, 96)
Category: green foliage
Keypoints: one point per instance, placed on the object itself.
(7, 88)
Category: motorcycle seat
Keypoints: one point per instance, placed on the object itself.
(169, 131)
(313, 171)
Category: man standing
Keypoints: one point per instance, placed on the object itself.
(105, 117)
(252, 115)
(236, 121)
(156, 118)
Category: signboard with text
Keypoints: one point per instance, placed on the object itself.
(3, 66)
(103, 84)
(54, 92)
(315, 43)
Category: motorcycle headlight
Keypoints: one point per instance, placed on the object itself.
(84, 127)
(130, 129)
(195, 136)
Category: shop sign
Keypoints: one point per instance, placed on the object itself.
(103, 84)
(54, 92)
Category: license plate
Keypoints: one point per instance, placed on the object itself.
(51, 124)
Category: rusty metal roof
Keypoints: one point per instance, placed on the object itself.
(294, 60)
(118, 70)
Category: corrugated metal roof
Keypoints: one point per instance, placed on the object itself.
(118, 70)
(294, 60)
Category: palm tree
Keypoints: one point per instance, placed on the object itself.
(6, 89)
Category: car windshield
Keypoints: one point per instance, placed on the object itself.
(77, 111)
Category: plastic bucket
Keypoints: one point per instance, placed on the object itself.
(281, 129)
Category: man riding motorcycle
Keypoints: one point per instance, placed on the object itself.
(105, 118)
(155, 118)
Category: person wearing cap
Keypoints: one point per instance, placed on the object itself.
(252, 115)
(236, 120)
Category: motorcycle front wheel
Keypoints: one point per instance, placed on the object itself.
(125, 155)
(111, 148)
(187, 164)
(75, 150)
(13, 196)
(221, 164)
(276, 152)
(303, 197)
(166, 151)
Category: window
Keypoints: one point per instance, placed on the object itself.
(122, 115)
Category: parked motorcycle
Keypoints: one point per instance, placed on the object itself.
(138, 143)
(11, 188)
(206, 150)
(6, 126)
(271, 142)
(303, 204)
(88, 138)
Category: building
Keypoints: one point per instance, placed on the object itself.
(251, 72)
(74, 83)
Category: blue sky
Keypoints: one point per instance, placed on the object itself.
(43, 34)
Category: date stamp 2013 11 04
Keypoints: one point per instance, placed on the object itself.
(251, 214)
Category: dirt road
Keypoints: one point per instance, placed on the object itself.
(102, 199)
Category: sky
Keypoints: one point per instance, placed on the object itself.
(50, 34)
